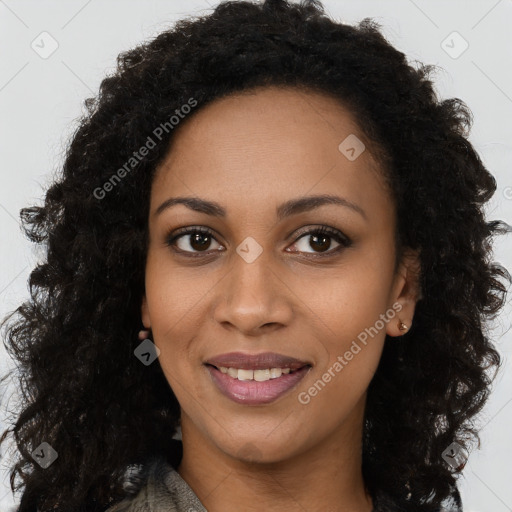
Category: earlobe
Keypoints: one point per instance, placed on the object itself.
(406, 292)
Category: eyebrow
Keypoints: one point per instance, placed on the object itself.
(287, 209)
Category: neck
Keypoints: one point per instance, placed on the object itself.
(327, 476)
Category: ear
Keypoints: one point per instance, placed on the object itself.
(144, 313)
(406, 292)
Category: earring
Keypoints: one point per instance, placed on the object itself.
(401, 326)
(144, 334)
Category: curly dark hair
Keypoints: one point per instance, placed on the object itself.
(85, 393)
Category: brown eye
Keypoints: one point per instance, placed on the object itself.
(320, 240)
(192, 240)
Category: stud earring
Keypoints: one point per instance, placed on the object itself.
(144, 334)
(401, 326)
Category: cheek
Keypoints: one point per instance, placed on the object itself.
(175, 294)
(348, 300)
(176, 301)
(351, 311)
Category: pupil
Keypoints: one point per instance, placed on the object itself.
(196, 239)
(324, 246)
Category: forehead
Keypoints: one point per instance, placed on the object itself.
(269, 142)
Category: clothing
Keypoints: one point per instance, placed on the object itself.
(165, 490)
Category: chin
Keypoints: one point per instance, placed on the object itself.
(260, 451)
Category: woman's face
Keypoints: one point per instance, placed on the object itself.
(265, 280)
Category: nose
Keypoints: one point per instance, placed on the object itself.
(253, 297)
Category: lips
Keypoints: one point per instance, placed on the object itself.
(256, 361)
(255, 393)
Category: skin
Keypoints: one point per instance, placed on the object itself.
(251, 152)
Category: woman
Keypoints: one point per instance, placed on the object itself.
(269, 237)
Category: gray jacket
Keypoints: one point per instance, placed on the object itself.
(164, 491)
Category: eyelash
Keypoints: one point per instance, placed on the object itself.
(338, 236)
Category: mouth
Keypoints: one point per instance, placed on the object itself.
(258, 379)
(258, 375)
(261, 361)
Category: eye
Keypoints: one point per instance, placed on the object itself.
(198, 239)
(321, 239)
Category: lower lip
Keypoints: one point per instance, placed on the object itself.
(252, 392)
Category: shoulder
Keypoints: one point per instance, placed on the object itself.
(150, 489)
(162, 488)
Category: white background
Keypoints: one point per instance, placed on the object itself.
(40, 100)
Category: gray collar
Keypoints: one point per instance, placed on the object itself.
(163, 491)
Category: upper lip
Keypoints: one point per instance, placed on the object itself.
(256, 361)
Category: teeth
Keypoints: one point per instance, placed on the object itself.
(275, 373)
(245, 374)
(257, 375)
